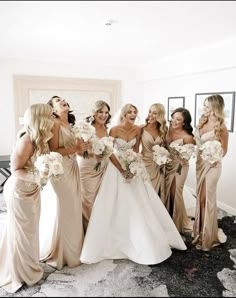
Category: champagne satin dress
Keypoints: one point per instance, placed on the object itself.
(90, 183)
(65, 244)
(19, 248)
(176, 206)
(157, 178)
(209, 235)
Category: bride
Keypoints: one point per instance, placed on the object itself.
(128, 220)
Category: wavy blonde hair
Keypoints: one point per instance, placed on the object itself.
(125, 110)
(98, 105)
(38, 124)
(217, 104)
(161, 123)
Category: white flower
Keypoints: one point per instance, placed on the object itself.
(102, 147)
(48, 166)
(182, 153)
(131, 162)
(84, 130)
(160, 155)
(98, 147)
(211, 151)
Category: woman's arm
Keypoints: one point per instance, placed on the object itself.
(22, 152)
(79, 147)
(113, 158)
(224, 140)
(138, 139)
(189, 139)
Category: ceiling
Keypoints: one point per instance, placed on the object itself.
(143, 31)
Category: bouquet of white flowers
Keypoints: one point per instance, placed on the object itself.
(211, 151)
(85, 131)
(131, 163)
(182, 152)
(48, 166)
(103, 148)
(161, 156)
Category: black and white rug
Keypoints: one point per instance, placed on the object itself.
(190, 273)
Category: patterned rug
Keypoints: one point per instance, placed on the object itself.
(190, 273)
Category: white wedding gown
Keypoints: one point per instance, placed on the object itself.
(129, 221)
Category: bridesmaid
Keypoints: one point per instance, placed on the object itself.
(211, 127)
(154, 133)
(64, 247)
(19, 248)
(180, 132)
(90, 178)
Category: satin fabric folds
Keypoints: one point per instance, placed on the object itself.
(19, 248)
(129, 221)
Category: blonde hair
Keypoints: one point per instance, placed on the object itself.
(217, 105)
(98, 105)
(125, 110)
(161, 121)
(38, 125)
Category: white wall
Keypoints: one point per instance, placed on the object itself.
(209, 70)
(8, 68)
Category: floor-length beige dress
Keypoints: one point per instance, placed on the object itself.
(90, 183)
(209, 235)
(176, 206)
(65, 244)
(156, 176)
(19, 248)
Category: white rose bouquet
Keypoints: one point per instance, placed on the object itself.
(48, 166)
(161, 156)
(131, 163)
(182, 152)
(103, 148)
(211, 151)
(85, 131)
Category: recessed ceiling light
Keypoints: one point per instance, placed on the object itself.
(110, 22)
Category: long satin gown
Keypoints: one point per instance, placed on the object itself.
(176, 206)
(19, 248)
(209, 235)
(129, 221)
(90, 183)
(63, 246)
(157, 178)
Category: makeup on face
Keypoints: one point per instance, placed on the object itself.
(102, 115)
(152, 115)
(131, 115)
(177, 120)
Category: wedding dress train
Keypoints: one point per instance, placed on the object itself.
(129, 221)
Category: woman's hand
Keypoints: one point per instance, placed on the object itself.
(99, 157)
(81, 146)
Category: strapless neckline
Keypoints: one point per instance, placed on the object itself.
(125, 140)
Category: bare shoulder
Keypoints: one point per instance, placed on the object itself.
(189, 139)
(138, 128)
(113, 131)
(24, 145)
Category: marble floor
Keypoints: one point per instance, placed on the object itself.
(123, 278)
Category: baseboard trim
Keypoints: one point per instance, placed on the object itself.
(226, 208)
(221, 205)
